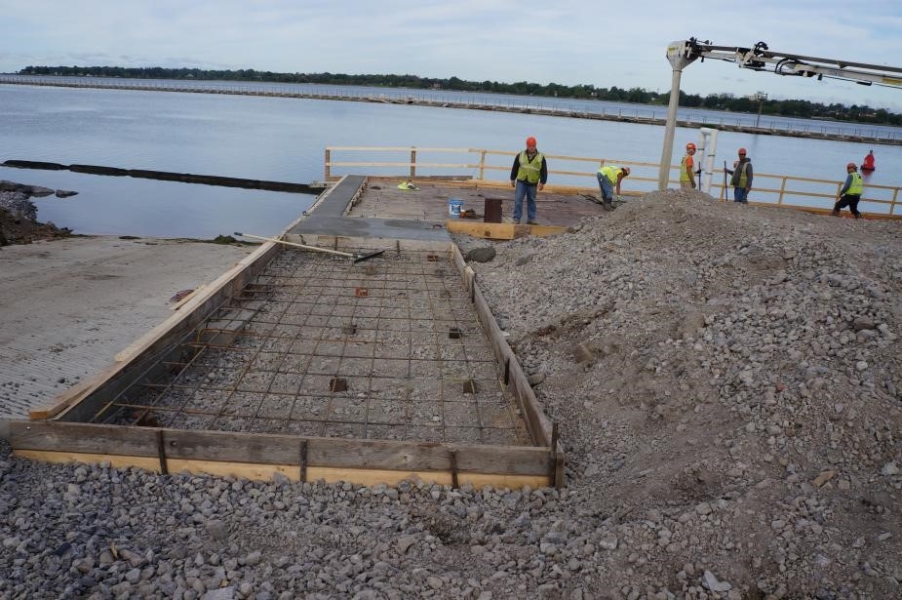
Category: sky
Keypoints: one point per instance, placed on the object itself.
(568, 42)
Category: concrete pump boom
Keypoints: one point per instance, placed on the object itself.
(760, 58)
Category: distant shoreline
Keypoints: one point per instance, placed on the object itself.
(187, 87)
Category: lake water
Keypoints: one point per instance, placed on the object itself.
(283, 139)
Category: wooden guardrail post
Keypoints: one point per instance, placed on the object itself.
(413, 163)
(327, 175)
(892, 207)
(782, 190)
(482, 165)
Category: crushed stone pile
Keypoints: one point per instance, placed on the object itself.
(728, 386)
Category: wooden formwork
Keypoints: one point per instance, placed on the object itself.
(61, 433)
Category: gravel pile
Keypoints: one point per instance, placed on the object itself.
(728, 384)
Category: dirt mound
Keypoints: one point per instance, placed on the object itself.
(728, 374)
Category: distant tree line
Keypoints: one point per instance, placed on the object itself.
(726, 102)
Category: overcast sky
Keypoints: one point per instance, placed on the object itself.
(568, 42)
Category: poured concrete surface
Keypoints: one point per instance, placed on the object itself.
(68, 306)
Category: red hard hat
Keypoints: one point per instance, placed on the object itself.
(530, 141)
(742, 151)
(690, 146)
(852, 166)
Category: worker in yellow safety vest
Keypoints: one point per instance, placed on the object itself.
(687, 168)
(609, 179)
(528, 175)
(850, 193)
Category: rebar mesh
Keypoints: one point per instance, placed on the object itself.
(318, 345)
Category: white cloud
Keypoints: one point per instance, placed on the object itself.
(567, 41)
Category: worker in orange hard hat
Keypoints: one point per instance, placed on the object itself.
(687, 168)
(741, 179)
(850, 193)
(529, 173)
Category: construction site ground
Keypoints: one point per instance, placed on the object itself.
(727, 379)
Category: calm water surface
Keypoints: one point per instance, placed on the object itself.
(283, 139)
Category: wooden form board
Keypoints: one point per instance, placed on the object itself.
(127, 366)
(500, 231)
(540, 427)
(259, 456)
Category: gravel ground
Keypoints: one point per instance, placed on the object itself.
(728, 383)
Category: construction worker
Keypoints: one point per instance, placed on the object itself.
(530, 171)
(687, 168)
(609, 179)
(741, 179)
(850, 193)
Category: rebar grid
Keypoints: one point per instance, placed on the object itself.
(319, 346)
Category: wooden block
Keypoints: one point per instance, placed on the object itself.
(501, 231)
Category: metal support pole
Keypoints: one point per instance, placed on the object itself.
(669, 129)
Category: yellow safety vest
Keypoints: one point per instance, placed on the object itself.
(856, 187)
(530, 170)
(684, 170)
(611, 172)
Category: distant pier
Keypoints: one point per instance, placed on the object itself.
(272, 89)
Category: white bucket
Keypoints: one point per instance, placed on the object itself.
(454, 207)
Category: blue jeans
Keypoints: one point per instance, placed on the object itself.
(740, 194)
(524, 189)
(607, 188)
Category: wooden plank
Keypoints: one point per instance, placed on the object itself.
(500, 231)
(490, 231)
(511, 482)
(64, 400)
(115, 461)
(375, 476)
(185, 300)
(367, 477)
(255, 472)
(231, 447)
(490, 326)
(84, 437)
(105, 386)
(539, 425)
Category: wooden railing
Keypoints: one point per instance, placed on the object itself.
(576, 174)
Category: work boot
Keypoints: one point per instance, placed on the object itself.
(858, 215)
(532, 222)
(607, 205)
(835, 212)
(516, 221)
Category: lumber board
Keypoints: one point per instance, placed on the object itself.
(83, 437)
(65, 399)
(500, 231)
(231, 447)
(106, 385)
(265, 472)
(538, 424)
(115, 461)
(255, 472)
